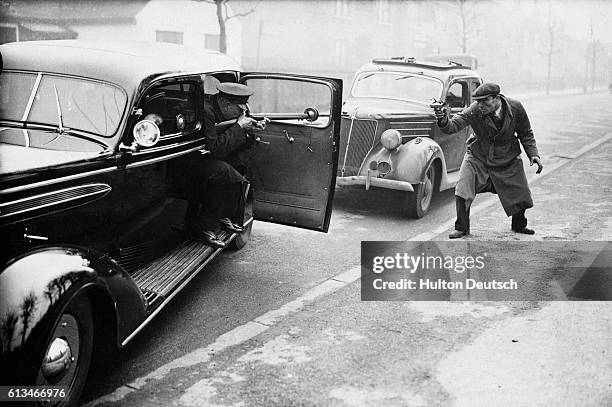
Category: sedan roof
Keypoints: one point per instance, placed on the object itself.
(433, 69)
(124, 63)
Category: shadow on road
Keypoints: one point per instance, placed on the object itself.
(384, 202)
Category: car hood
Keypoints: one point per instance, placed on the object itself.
(17, 159)
(378, 108)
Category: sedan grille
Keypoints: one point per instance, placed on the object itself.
(357, 137)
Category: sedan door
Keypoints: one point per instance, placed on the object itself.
(295, 158)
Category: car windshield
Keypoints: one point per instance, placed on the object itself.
(84, 105)
(397, 85)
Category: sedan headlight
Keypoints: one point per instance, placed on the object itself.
(391, 139)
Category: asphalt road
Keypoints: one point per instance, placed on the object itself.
(327, 345)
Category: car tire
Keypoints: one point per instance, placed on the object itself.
(75, 328)
(419, 201)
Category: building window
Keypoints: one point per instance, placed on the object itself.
(174, 37)
(383, 11)
(340, 52)
(8, 33)
(341, 8)
(211, 41)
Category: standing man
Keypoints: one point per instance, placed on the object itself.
(492, 162)
(218, 185)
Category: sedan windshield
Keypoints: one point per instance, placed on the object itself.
(85, 105)
(397, 85)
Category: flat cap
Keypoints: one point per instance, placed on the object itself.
(485, 90)
(235, 92)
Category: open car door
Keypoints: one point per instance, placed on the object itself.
(296, 156)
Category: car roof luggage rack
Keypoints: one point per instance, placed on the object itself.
(424, 64)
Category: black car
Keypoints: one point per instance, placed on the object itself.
(90, 192)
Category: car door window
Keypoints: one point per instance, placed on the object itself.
(279, 98)
(176, 104)
(474, 83)
(456, 96)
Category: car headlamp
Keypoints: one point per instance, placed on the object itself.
(146, 133)
(391, 139)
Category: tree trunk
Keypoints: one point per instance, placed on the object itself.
(593, 66)
(221, 18)
(551, 49)
(463, 27)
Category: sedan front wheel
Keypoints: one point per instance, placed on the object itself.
(68, 352)
(419, 201)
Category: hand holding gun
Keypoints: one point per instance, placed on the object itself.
(247, 122)
(439, 111)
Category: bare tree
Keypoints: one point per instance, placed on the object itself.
(27, 309)
(550, 47)
(8, 328)
(223, 17)
(591, 58)
(463, 26)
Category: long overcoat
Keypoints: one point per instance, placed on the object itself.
(492, 162)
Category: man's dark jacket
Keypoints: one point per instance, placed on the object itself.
(496, 148)
(495, 154)
(224, 141)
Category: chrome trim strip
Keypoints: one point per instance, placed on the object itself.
(178, 289)
(171, 136)
(26, 112)
(56, 181)
(163, 158)
(105, 189)
(408, 123)
(154, 150)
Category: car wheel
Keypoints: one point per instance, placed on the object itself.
(242, 238)
(419, 201)
(68, 352)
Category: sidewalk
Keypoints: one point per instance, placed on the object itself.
(573, 203)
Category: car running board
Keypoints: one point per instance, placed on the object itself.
(159, 279)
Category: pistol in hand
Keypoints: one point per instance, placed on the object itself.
(438, 107)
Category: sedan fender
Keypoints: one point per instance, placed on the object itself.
(409, 162)
(35, 288)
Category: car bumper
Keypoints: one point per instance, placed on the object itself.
(368, 181)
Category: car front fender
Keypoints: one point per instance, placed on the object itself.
(409, 161)
(35, 287)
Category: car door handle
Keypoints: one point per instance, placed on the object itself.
(289, 138)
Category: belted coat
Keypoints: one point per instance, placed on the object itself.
(492, 162)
